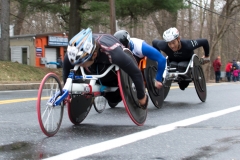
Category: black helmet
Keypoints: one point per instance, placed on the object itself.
(123, 36)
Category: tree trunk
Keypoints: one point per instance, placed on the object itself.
(157, 23)
(20, 18)
(74, 18)
(4, 40)
(202, 19)
(190, 21)
(165, 21)
(209, 69)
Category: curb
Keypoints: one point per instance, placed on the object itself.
(22, 86)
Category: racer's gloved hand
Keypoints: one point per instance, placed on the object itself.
(157, 84)
(204, 60)
(143, 103)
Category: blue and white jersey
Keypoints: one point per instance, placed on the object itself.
(140, 49)
(136, 47)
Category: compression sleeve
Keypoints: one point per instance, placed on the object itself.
(158, 44)
(204, 43)
(67, 66)
(127, 64)
(155, 55)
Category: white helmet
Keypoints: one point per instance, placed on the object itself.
(170, 34)
(81, 47)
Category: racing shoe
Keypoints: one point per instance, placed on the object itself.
(144, 107)
(112, 105)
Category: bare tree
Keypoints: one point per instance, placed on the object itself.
(19, 19)
(164, 20)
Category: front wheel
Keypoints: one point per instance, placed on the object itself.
(166, 86)
(99, 104)
(49, 116)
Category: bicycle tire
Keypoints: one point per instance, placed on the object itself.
(49, 117)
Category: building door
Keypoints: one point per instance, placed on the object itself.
(51, 57)
(24, 56)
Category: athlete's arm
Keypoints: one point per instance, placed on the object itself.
(155, 55)
(201, 43)
(67, 66)
(120, 58)
(159, 44)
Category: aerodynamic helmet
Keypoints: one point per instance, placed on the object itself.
(81, 47)
(170, 34)
(123, 36)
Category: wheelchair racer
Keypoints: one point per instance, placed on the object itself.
(180, 51)
(140, 49)
(96, 52)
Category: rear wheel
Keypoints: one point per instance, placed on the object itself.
(155, 94)
(129, 96)
(199, 79)
(49, 116)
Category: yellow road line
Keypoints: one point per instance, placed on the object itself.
(20, 100)
(33, 99)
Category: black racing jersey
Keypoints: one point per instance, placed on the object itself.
(186, 51)
(110, 52)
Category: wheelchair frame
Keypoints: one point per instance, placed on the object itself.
(196, 75)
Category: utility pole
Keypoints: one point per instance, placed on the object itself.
(112, 16)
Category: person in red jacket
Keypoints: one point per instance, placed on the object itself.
(217, 68)
(228, 70)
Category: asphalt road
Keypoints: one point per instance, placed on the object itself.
(184, 128)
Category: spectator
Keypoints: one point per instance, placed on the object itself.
(217, 68)
(228, 70)
(59, 61)
(235, 74)
(238, 63)
(235, 66)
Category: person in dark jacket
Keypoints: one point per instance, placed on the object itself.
(96, 52)
(234, 64)
(217, 68)
(179, 51)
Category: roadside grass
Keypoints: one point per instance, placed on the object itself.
(11, 72)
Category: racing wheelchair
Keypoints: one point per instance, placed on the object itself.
(193, 73)
(78, 94)
(149, 71)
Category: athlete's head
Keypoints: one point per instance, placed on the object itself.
(171, 36)
(81, 47)
(123, 36)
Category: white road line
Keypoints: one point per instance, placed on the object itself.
(118, 142)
